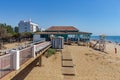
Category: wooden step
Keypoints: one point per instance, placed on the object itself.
(67, 57)
(67, 77)
(67, 64)
(68, 71)
(66, 54)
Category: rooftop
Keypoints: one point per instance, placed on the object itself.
(63, 33)
(62, 28)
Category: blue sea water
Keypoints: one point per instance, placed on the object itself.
(108, 38)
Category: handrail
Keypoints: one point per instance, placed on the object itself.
(22, 56)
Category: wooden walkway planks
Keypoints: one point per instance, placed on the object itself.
(67, 57)
(68, 77)
(67, 64)
(68, 71)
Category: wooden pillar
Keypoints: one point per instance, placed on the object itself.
(40, 61)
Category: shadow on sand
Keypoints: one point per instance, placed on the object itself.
(21, 75)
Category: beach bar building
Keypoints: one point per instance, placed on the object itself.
(67, 32)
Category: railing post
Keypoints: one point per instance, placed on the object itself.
(34, 49)
(16, 60)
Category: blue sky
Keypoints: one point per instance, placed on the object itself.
(96, 16)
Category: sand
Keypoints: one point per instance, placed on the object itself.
(94, 65)
(50, 69)
(89, 64)
(15, 44)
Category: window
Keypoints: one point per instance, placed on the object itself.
(25, 27)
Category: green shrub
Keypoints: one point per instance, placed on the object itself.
(50, 52)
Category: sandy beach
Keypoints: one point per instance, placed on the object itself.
(89, 64)
(95, 65)
(60, 40)
(15, 44)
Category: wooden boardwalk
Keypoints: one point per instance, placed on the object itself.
(67, 66)
(23, 66)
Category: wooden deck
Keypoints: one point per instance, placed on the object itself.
(14, 73)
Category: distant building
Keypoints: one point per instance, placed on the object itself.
(67, 32)
(27, 26)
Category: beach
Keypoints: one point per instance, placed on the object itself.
(89, 64)
(60, 40)
(95, 65)
(15, 44)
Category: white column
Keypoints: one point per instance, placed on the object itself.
(34, 49)
(16, 60)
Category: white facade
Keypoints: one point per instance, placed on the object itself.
(27, 26)
(37, 38)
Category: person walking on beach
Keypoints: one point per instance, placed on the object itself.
(115, 48)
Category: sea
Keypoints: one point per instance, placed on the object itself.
(115, 39)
